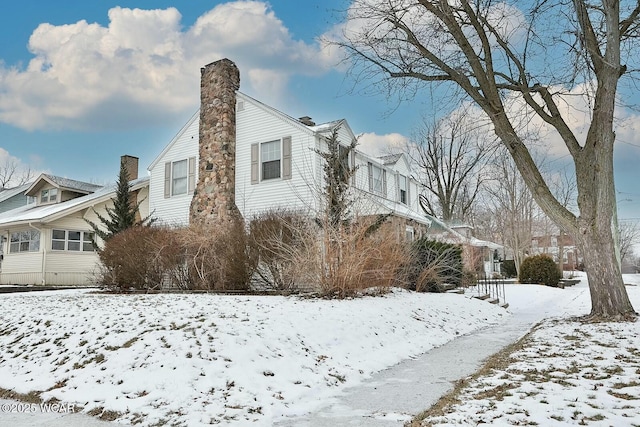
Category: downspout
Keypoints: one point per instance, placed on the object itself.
(44, 254)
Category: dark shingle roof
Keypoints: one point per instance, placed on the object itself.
(72, 184)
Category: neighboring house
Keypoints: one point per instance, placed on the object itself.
(11, 198)
(553, 245)
(277, 166)
(50, 242)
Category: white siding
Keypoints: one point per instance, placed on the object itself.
(173, 210)
(255, 125)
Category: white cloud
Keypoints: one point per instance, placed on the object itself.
(380, 145)
(144, 67)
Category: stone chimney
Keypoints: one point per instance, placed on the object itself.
(213, 201)
(131, 166)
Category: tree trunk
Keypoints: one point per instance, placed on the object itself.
(609, 297)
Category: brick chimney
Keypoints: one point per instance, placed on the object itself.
(213, 201)
(131, 166)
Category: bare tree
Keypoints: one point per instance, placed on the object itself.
(512, 206)
(499, 56)
(12, 175)
(448, 154)
(629, 237)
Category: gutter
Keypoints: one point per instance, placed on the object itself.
(44, 254)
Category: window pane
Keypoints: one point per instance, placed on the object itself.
(57, 245)
(35, 235)
(270, 151)
(53, 194)
(179, 186)
(15, 237)
(179, 178)
(88, 236)
(87, 247)
(271, 170)
(58, 234)
(14, 247)
(24, 246)
(73, 246)
(74, 235)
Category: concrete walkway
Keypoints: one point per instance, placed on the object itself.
(395, 395)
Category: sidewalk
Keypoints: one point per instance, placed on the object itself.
(395, 395)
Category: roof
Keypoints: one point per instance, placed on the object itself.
(47, 213)
(7, 193)
(72, 184)
(63, 184)
(313, 130)
(390, 159)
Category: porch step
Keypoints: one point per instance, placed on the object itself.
(455, 291)
(482, 297)
(493, 301)
(504, 305)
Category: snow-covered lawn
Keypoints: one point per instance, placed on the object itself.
(565, 372)
(201, 359)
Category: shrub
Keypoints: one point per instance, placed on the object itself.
(509, 268)
(354, 258)
(218, 258)
(432, 264)
(277, 239)
(539, 269)
(128, 260)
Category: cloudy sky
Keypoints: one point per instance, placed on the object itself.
(83, 82)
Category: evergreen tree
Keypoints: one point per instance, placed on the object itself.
(123, 214)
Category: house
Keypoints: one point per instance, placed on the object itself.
(556, 244)
(266, 159)
(49, 241)
(11, 198)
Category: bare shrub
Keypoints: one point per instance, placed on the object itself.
(353, 258)
(128, 261)
(218, 258)
(279, 239)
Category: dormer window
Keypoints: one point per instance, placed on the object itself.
(49, 195)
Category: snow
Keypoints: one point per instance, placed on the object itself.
(201, 359)
(566, 373)
(198, 359)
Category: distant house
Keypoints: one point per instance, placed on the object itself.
(558, 245)
(49, 241)
(11, 198)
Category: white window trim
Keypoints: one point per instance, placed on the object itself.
(48, 200)
(261, 162)
(66, 241)
(185, 177)
(20, 241)
(406, 189)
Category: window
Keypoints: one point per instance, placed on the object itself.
(25, 241)
(377, 179)
(270, 159)
(179, 178)
(409, 233)
(78, 241)
(48, 195)
(554, 241)
(402, 189)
